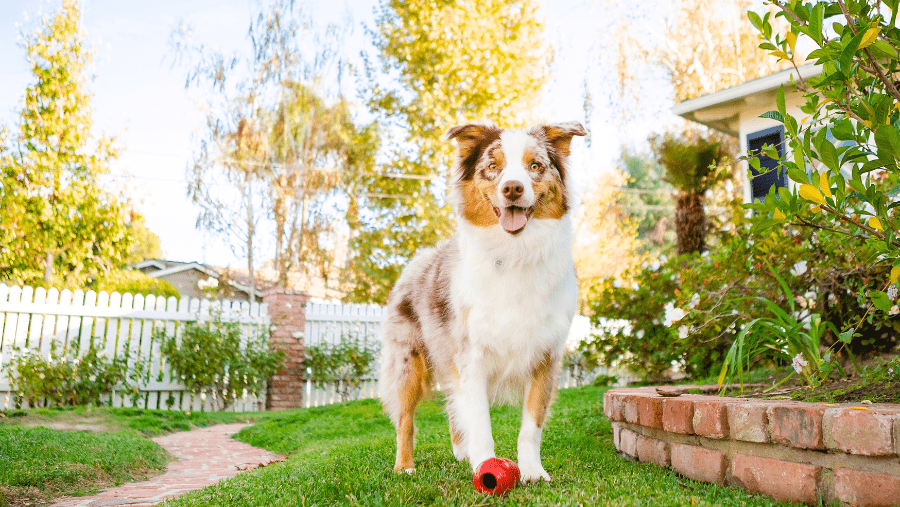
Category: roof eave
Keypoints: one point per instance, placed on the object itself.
(688, 108)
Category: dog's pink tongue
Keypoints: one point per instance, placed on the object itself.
(512, 219)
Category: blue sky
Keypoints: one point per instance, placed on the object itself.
(140, 98)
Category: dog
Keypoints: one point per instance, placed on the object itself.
(485, 314)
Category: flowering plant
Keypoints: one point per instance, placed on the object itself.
(794, 334)
(64, 380)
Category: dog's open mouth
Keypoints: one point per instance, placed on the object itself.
(513, 218)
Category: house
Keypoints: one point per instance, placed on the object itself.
(736, 111)
(191, 277)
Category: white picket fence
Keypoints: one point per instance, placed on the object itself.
(333, 323)
(42, 321)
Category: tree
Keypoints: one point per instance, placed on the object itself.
(144, 244)
(707, 45)
(447, 63)
(318, 150)
(275, 139)
(58, 225)
(694, 164)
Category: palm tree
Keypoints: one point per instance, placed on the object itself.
(693, 164)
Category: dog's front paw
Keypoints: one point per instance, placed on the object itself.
(408, 471)
(532, 473)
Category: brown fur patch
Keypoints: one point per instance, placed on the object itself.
(471, 141)
(439, 298)
(551, 202)
(407, 310)
(540, 392)
(476, 208)
(499, 158)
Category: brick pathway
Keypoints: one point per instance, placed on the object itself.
(204, 456)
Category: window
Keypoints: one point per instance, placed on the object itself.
(769, 173)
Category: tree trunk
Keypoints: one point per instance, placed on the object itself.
(690, 223)
(48, 268)
(251, 230)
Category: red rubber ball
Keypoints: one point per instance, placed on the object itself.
(496, 476)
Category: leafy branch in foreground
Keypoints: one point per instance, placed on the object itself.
(844, 157)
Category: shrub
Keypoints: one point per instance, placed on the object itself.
(209, 356)
(65, 380)
(134, 282)
(690, 309)
(345, 365)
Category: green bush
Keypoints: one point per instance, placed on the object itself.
(209, 357)
(67, 380)
(345, 365)
(133, 282)
(688, 310)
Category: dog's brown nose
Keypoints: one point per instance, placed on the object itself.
(513, 189)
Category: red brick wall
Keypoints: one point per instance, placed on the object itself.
(794, 452)
(287, 313)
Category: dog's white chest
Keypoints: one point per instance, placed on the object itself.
(518, 307)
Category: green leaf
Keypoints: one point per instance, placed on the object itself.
(798, 175)
(754, 163)
(877, 163)
(755, 20)
(828, 155)
(888, 142)
(881, 49)
(773, 115)
(881, 300)
(779, 102)
(849, 52)
(816, 17)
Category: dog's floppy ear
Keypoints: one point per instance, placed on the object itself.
(559, 135)
(471, 140)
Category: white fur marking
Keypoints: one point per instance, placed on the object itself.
(475, 415)
(529, 445)
(513, 143)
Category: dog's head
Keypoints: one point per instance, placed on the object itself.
(508, 177)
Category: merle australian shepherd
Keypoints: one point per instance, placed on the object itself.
(485, 314)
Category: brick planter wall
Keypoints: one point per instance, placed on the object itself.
(791, 451)
(287, 313)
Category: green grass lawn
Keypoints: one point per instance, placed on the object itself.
(38, 464)
(343, 455)
(47, 453)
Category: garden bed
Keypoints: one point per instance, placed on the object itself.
(791, 451)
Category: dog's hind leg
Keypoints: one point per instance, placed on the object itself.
(404, 381)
